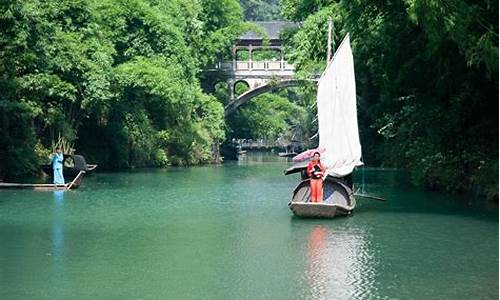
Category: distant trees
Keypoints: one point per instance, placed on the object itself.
(269, 116)
(261, 10)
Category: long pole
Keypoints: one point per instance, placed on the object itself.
(80, 174)
(329, 46)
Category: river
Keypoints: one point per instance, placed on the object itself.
(225, 232)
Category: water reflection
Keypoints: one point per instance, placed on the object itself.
(339, 265)
(57, 235)
(316, 271)
(257, 157)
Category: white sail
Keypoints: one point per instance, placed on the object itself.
(337, 114)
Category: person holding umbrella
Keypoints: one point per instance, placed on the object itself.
(316, 170)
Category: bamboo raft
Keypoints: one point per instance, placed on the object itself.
(45, 186)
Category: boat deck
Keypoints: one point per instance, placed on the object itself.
(338, 200)
(34, 186)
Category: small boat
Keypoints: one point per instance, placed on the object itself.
(287, 154)
(75, 183)
(337, 193)
(73, 164)
(338, 136)
(338, 199)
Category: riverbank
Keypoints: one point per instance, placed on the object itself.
(486, 193)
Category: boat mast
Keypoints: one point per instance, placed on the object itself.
(329, 43)
(328, 59)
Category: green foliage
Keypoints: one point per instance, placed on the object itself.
(265, 54)
(261, 10)
(258, 55)
(243, 55)
(221, 92)
(269, 116)
(109, 76)
(427, 81)
(299, 10)
(17, 139)
(240, 87)
(307, 47)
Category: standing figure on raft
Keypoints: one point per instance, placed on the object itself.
(57, 165)
(316, 171)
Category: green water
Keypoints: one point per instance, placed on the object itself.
(225, 232)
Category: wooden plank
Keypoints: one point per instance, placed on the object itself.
(77, 179)
(34, 186)
(31, 185)
(44, 186)
(52, 188)
(314, 210)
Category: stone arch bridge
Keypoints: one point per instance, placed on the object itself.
(260, 65)
(258, 89)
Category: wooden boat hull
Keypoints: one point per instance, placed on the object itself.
(338, 199)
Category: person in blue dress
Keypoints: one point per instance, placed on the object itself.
(57, 165)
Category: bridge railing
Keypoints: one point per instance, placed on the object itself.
(274, 65)
(247, 65)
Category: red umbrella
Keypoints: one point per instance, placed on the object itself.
(307, 154)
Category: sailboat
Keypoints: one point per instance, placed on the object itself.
(338, 138)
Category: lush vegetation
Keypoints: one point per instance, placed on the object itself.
(119, 80)
(271, 117)
(261, 10)
(427, 76)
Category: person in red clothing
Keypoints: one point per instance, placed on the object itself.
(316, 171)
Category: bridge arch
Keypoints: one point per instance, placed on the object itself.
(252, 93)
(238, 82)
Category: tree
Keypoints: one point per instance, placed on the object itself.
(260, 10)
